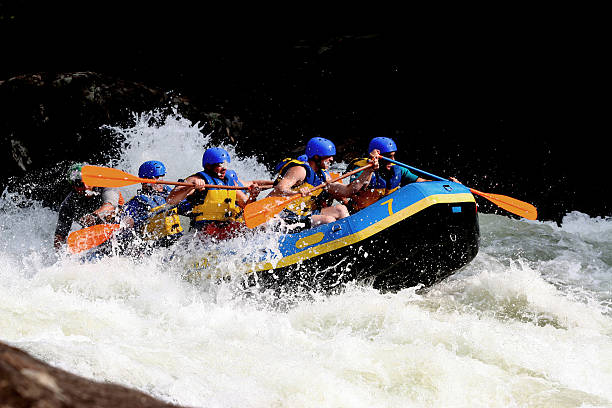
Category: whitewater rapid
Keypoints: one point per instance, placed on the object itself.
(528, 323)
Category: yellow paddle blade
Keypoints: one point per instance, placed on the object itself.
(518, 207)
(265, 209)
(90, 237)
(97, 176)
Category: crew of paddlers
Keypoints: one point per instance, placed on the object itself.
(152, 214)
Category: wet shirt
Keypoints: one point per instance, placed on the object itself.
(76, 205)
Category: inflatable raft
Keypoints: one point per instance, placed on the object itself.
(420, 234)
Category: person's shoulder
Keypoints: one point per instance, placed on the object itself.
(295, 164)
(194, 176)
(297, 168)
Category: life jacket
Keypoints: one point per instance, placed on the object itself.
(162, 223)
(280, 166)
(381, 184)
(214, 204)
(306, 205)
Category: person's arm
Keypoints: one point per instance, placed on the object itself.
(242, 199)
(101, 215)
(263, 184)
(179, 193)
(294, 175)
(340, 190)
(408, 177)
(106, 211)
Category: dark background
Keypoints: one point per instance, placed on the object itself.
(510, 101)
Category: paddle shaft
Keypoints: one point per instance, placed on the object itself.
(350, 173)
(322, 185)
(412, 168)
(511, 204)
(172, 183)
(91, 175)
(258, 212)
(426, 173)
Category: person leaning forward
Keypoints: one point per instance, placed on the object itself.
(147, 213)
(214, 212)
(85, 205)
(297, 176)
(386, 179)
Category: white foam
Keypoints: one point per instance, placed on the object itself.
(527, 323)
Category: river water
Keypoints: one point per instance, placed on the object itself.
(528, 323)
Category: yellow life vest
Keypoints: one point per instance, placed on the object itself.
(164, 224)
(218, 205)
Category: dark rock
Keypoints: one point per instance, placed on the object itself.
(28, 382)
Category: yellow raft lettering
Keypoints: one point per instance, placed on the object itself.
(389, 203)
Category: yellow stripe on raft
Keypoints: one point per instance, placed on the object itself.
(366, 232)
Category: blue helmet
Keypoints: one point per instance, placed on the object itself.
(215, 155)
(303, 158)
(151, 168)
(384, 144)
(318, 146)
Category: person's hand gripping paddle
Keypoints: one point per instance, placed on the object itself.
(265, 209)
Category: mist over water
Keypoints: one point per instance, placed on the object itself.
(527, 323)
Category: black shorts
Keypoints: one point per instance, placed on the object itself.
(292, 218)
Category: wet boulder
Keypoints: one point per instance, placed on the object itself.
(28, 382)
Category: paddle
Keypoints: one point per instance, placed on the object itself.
(258, 212)
(97, 176)
(87, 238)
(509, 204)
(90, 237)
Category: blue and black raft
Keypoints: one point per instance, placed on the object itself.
(419, 234)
